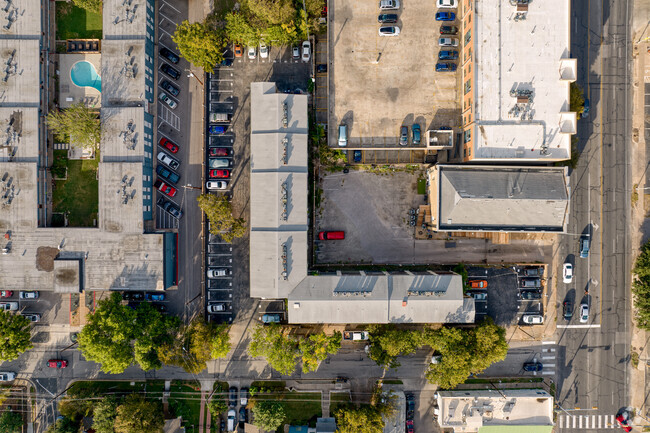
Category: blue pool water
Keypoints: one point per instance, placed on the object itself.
(83, 74)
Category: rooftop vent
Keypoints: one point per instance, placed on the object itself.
(285, 157)
(285, 200)
(129, 137)
(285, 274)
(124, 192)
(285, 115)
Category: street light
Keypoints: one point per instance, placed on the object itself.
(191, 74)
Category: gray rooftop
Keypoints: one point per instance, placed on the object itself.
(501, 198)
(18, 191)
(124, 19)
(268, 151)
(280, 200)
(19, 134)
(426, 298)
(122, 134)
(20, 18)
(123, 74)
(19, 80)
(120, 197)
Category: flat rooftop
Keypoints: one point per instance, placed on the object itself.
(122, 134)
(19, 80)
(125, 19)
(20, 18)
(120, 197)
(279, 200)
(470, 410)
(521, 56)
(19, 134)
(472, 198)
(123, 62)
(18, 198)
(280, 152)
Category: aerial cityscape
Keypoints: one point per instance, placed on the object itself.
(324, 216)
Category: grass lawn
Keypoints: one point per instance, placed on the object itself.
(74, 22)
(78, 196)
(339, 400)
(186, 402)
(302, 408)
(106, 387)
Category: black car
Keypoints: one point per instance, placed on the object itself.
(159, 307)
(166, 85)
(133, 296)
(242, 416)
(387, 18)
(448, 30)
(222, 426)
(567, 310)
(169, 55)
(226, 62)
(530, 294)
(170, 207)
(357, 156)
(232, 396)
(533, 366)
(172, 72)
(321, 68)
(167, 174)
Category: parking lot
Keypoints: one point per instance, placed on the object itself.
(379, 83)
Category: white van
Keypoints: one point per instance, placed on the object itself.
(343, 135)
(231, 419)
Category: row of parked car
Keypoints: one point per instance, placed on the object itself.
(232, 404)
(13, 306)
(446, 31)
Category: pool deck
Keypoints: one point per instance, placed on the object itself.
(69, 92)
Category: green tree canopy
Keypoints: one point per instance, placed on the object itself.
(94, 6)
(280, 350)
(576, 99)
(65, 425)
(104, 414)
(269, 414)
(315, 348)
(218, 210)
(200, 43)
(14, 336)
(11, 422)
(116, 335)
(362, 419)
(217, 406)
(641, 287)
(239, 30)
(78, 122)
(137, 415)
(272, 11)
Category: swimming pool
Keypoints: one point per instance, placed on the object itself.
(84, 74)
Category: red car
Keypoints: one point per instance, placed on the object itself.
(238, 50)
(478, 284)
(169, 145)
(409, 426)
(219, 151)
(164, 188)
(57, 363)
(220, 174)
(331, 236)
(6, 294)
(622, 421)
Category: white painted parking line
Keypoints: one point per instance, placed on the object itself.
(548, 357)
(167, 18)
(170, 118)
(164, 3)
(548, 373)
(166, 32)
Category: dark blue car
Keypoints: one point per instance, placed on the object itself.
(445, 67)
(167, 174)
(217, 129)
(448, 55)
(357, 156)
(445, 16)
(585, 110)
(154, 296)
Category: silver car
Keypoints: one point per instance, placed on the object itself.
(217, 307)
(7, 376)
(167, 160)
(8, 306)
(167, 100)
(219, 163)
(28, 295)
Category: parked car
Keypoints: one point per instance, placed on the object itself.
(167, 174)
(238, 50)
(271, 318)
(217, 272)
(295, 52)
(584, 313)
(219, 151)
(160, 307)
(448, 55)
(343, 135)
(478, 284)
(170, 207)
(169, 55)
(166, 189)
(478, 295)
(57, 363)
(232, 396)
(232, 419)
(32, 294)
(567, 273)
(306, 51)
(530, 283)
(219, 162)
(404, 135)
(133, 296)
(6, 294)
(252, 53)
(219, 174)
(216, 184)
(533, 319)
(387, 18)
(242, 416)
(7, 376)
(217, 129)
(154, 296)
(8, 306)
(166, 85)
(567, 310)
(447, 3)
(445, 67)
(529, 295)
(389, 31)
(584, 246)
(533, 366)
(32, 317)
(226, 62)
(331, 236)
(167, 100)
(585, 109)
(409, 426)
(445, 16)
(623, 422)
(243, 396)
(357, 156)
(170, 71)
(218, 307)
(170, 162)
(533, 271)
(264, 51)
(448, 42)
(322, 68)
(448, 30)
(386, 5)
(168, 144)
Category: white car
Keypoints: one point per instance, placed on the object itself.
(533, 319)
(306, 51)
(216, 184)
(7, 376)
(264, 50)
(168, 161)
(447, 3)
(214, 272)
(389, 31)
(251, 53)
(217, 308)
(567, 273)
(448, 42)
(8, 306)
(28, 295)
(167, 100)
(387, 5)
(296, 52)
(584, 313)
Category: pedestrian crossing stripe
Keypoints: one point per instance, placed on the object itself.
(586, 421)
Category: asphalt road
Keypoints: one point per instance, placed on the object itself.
(593, 358)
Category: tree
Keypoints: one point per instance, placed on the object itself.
(11, 422)
(154, 329)
(200, 43)
(272, 11)
(217, 406)
(269, 414)
(576, 99)
(642, 263)
(104, 415)
(64, 425)
(220, 341)
(137, 415)
(363, 419)
(218, 210)
(14, 336)
(240, 31)
(387, 343)
(78, 122)
(94, 6)
(315, 348)
(641, 287)
(279, 349)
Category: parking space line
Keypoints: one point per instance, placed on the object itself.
(167, 18)
(166, 32)
(164, 3)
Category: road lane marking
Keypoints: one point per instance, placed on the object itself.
(578, 326)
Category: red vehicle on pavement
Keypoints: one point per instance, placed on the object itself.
(57, 363)
(623, 422)
(168, 144)
(219, 151)
(164, 188)
(331, 236)
(409, 426)
(478, 284)
(6, 294)
(219, 174)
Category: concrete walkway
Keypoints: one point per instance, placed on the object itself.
(324, 387)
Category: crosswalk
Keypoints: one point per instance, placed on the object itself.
(548, 360)
(573, 422)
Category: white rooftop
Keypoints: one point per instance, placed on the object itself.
(18, 199)
(120, 197)
(122, 134)
(123, 71)
(268, 151)
(20, 18)
(125, 19)
(523, 55)
(19, 78)
(19, 134)
(280, 200)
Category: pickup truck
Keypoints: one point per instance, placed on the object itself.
(219, 117)
(355, 335)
